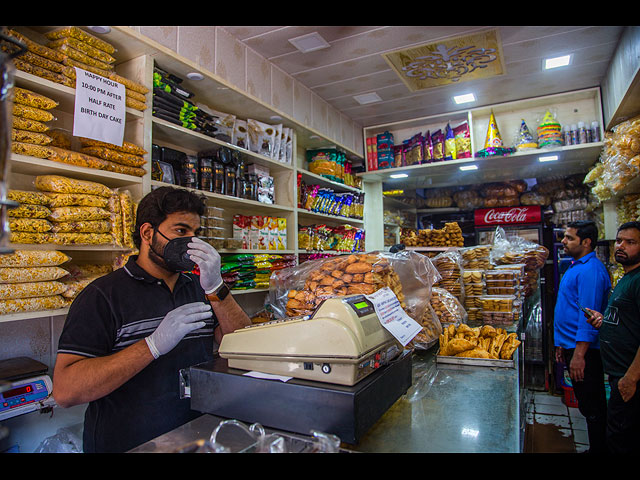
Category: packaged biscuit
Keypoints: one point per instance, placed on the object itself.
(30, 238)
(83, 47)
(22, 123)
(115, 156)
(77, 213)
(35, 47)
(33, 258)
(75, 32)
(35, 304)
(33, 99)
(82, 226)
(61, 184)
(81, 238)
(31, 274)
(10, 291)
(33, 225)
(26, 136)
(32, 150)
(28, 197)
(32, 113)
(27, 210)
(74, 199)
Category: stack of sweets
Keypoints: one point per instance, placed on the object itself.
(474, 285)
(476, 258)
(447, 307)
(503, 310)
(449, 266)
(549, 132)
(524, 139)
(30, 281)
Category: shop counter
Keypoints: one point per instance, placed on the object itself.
(448, 409)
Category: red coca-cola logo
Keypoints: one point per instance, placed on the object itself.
(507, 215)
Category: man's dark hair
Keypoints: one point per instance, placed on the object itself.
(626, 225)
(162, 201)
(586, 229)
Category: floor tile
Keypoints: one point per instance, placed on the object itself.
(551, 409)
(581, 436)
(547, 399)
(558, 420)
(579, 423)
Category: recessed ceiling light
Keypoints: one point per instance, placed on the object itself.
(468, 167)
(309, 43)
(548, 158)
(366, 98)
(555, 62)
(399, 175)
(466, 98)
(100, 29)
(195, 76)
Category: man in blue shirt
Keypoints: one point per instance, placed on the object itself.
(585, 284)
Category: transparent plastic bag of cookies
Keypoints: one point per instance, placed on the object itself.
(431, 330)
(298, 290)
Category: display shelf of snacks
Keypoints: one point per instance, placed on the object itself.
(315, 216)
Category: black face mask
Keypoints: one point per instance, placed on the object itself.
(175, 254)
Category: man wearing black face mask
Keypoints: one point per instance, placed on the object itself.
(129, 333)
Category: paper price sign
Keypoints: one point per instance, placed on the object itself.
(393, 317)
(99, 111)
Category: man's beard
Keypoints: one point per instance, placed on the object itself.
(626, 260)
(156, 246)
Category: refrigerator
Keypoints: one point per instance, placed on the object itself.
(526, 222)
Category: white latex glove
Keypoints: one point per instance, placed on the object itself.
(175, 325)
(208, 260)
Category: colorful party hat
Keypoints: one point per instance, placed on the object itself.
(493, 134)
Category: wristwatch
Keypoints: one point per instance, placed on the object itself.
(219, 294)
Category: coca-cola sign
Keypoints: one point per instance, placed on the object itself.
(507, 215)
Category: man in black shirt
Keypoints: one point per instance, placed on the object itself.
(620, 344)
(128, 333)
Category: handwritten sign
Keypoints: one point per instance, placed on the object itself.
(393, 317)
(99, 108)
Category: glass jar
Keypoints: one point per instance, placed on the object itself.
(230, 180)
(205, 174)
(188, 172)
(218, 178)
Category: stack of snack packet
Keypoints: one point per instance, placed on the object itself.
(30, 281)
(31, 114)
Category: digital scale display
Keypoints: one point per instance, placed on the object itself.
(360, 305)
(23, 395)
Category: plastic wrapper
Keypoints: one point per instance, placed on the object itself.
(126, 147)
(30, 137)
(80, 56)
(30, 238)
(449, 266)
(75, 32)
(82, 226)
(35, 47)
(33, 258)
(128, 218)
(299, 290)
(43, 72)
(28, 197)
(447, 307)
(115, 215)
(27, 210)
(35, 304)
(77, 213)
(60, 138)
(463, 140)
(40, 62)
(31, 274)
(468, 199)
(74, 287)
(10, 291)
(261, 137)
(431, 330)
(83, 47)
(60, 184)
(80, 159)
(81, 238)
(22, 123)
(31, 149)
(479, 342)
(524, 139)
(115, 156)
(32, 113)
(33, 99)
(128, 83)
(75, 199)
(33, 225)
(533, 198)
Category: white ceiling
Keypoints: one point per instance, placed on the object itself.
(353, 65)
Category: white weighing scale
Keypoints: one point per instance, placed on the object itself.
(24, 387)
(342, 342)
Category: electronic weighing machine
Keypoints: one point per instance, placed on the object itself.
(346, 371)
(24, 387)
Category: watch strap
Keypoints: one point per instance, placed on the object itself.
(219, 294)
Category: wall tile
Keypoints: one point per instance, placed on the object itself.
(197, 43)
(258, 76)
(281, 91)
(231, 59)
(166, 35)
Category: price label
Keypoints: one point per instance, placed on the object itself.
(99, 111)
(393, 317)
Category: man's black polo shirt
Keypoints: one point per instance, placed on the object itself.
(113, 312)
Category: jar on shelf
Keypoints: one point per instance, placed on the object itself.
(218, 177)
(205, 174)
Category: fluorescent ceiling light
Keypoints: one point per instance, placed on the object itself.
(548, 158)
(469, 167)
(399, 175)
(466, 98)
(366, 98)
(557, 62)
(309, 43)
